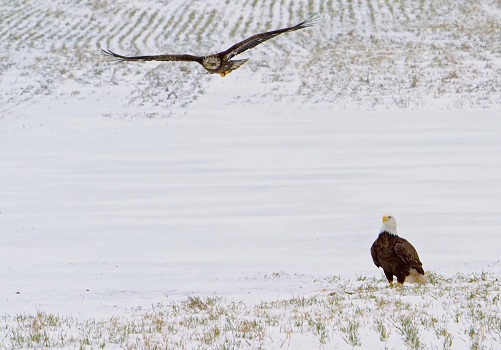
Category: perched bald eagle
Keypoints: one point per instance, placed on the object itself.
(221, 62)
(396, 255)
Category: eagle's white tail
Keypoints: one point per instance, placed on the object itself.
(416, 277)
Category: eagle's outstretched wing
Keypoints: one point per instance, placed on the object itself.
(257, 39)
(154, 57)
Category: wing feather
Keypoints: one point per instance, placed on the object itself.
(153, 57)
(257, 39)
(374, 255)
(407, 253)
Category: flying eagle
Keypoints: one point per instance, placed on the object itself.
(221, 62)
(396, 255)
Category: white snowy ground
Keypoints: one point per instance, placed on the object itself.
(101, 216)
(147, 209)
(256, 187)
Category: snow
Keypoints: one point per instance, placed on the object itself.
(117, 195)
(146, 209)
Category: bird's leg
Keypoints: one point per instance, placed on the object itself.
(389, 277)
(401, 280)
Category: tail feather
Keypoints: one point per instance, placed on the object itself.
(237, 63)
(416, 277)
(234, 65)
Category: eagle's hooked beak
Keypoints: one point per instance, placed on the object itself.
(386, 218)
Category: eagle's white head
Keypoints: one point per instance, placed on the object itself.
(389, 224)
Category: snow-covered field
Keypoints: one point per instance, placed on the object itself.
(148, 205)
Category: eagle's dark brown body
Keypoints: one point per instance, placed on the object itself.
(396, 256)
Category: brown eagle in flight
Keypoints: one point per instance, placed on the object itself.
(221, 62)
(396, 255)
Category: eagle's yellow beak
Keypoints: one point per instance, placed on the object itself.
(386, 218)
(225, 73)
